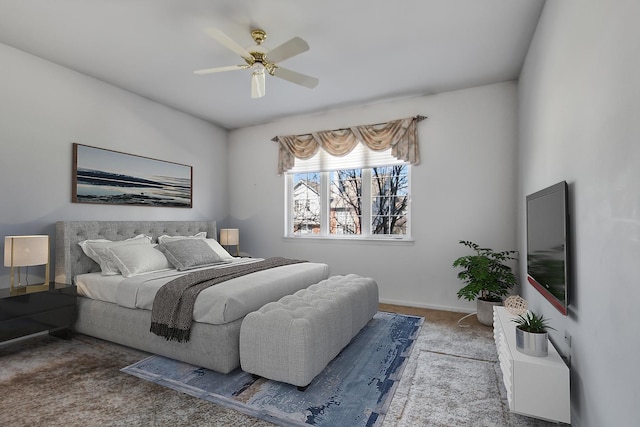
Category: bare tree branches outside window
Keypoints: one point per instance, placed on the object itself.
(345, 211)
(388, 200)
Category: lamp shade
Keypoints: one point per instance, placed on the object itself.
(229, 236)
(23, 251)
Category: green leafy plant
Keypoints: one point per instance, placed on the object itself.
(531, 322)
(485, 273)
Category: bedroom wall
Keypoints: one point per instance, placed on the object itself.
(579, 108)
(463, 189)
(44, 108)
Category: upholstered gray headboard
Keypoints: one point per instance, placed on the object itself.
(71, 261)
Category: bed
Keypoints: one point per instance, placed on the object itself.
(214, 337)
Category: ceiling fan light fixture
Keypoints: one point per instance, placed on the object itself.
(258, 83)
(261, 59)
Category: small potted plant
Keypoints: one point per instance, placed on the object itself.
(531, 334)
(488, 278)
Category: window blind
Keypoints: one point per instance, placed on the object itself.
(360, 157)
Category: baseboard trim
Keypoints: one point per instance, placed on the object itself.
(429, 306)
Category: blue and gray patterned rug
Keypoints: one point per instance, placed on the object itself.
(356, 386)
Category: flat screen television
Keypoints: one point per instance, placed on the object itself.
(548, 244)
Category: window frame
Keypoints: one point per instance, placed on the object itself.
(324, 194)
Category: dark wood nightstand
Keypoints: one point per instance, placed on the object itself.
(26, 311)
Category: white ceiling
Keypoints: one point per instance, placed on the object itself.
(361, 50)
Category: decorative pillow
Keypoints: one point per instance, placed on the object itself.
(218, 249)
(97, 250)
(165, 238)
(138, 259)
(185, 254)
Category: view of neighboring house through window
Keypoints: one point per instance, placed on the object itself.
(306, 203)
(366, 202)
(345, 208)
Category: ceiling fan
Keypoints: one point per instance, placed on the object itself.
(261, 59)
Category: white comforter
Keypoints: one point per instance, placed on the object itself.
(221, 303)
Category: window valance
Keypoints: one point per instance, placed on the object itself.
(401, 136)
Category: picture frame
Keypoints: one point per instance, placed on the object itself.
(105, 176)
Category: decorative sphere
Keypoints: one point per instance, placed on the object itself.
(515, 304)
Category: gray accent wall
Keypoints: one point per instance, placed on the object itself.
(579, 98)
(44, 108)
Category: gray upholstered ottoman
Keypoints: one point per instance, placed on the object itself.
(292, 340)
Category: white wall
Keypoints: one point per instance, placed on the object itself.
(44, 108)
(579, 116)
(463, 189)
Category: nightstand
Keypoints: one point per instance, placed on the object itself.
(26, 311)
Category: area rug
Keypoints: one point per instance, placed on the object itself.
(453, 378)
(460, 392)
(355, 389)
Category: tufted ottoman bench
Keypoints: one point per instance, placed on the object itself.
(292, 340)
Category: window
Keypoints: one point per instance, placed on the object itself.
(306, 203)
(371, 202)
(351, 181)
(390, 200)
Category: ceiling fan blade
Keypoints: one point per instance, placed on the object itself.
(295, 77)
(257, 84)
(287, 49)
(229, 43)
(220, 69)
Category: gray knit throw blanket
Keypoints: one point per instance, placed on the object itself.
(172, 312)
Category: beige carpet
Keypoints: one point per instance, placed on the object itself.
(452, 379)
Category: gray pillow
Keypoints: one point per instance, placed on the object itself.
(185, 254)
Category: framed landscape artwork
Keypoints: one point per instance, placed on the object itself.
(112, 177)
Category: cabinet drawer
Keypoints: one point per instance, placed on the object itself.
(38, 302)
(45, 321)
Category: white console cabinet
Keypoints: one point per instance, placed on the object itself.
(536, 386)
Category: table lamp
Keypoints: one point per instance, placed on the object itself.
(230, 237)
(25, 251)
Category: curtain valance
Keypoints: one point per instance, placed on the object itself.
(399, 135)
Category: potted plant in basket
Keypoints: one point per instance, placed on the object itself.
(532, 335)
(487, 277)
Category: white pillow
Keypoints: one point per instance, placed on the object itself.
(218, 249)
(133, 260)
(165, 238)
(97, 250)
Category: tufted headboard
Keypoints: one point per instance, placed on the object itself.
(71, 261)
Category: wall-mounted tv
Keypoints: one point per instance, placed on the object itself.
(548, 244)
